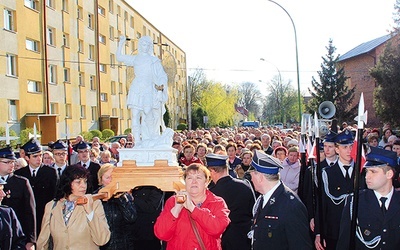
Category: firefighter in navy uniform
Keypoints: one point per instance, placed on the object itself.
(11, 235)
(19, 196)
(378, 220)
(280, 218)
(239, 197)
(337, 184)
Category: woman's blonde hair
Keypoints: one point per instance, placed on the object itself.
(104, 168)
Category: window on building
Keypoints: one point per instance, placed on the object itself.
(102, 39)
(111, 31)
(118, 10)
(112, 60)
(102, 68)
(80, 46)
(80, 12)
(92, 81)
(9, 20)
(111, 6)
(101, 10)
(32, 45)
(51, 35)
(66, 40)
(54, 108)
(83, 111)
(50, 3)
(34, 86)
(33, 4)
(114, 112)
(11, 65)
(52, 74)
(103, 97)
(68, 110)
(81, 79)
(65, 5)
(67, 77)
(120, 88)
(132, 22)
(12, 110)
(90, 21)
(91, 52)
(113, 88)
(94, 113)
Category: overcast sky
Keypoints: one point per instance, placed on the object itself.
(228, 37)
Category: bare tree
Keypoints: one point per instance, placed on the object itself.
(250, 97)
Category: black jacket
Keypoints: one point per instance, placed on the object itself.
(44, 187)
(120, 213)
(282, 224)
(11, 235)
(21, 199)
(239, 197)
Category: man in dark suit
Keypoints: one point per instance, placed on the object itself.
(239, 197)
(280, 218)
(11, 234)
(378, 219)
(19, 196)
(337, 184)
(43, 179)
(83, 150)
(60, 152)
(266, 144)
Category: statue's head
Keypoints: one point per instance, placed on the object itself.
(146, 45)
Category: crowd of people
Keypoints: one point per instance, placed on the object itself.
(244, 190)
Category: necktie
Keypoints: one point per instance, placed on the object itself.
(59, 171)
(3, 178)
(347, 176)
(260, 205)
(33, 173)
(331, 164)
(383, 207)
(84, 165)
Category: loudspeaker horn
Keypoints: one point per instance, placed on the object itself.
(326, 109)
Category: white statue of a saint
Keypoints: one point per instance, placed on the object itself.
(148, 92)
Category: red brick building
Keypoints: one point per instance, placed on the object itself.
(357, 63)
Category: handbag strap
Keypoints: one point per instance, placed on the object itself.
(196, 232)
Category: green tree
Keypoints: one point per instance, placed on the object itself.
(218, 102)
(387, 76)
(197, 117)
(332, 87)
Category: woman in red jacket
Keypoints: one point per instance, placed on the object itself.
(200, 211)
(189, 158)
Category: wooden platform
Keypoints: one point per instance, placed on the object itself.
(129, 175)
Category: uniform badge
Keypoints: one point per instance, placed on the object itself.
(8, 194)
(269, 234)
(272, 201)
(367, 232)
(338, 188)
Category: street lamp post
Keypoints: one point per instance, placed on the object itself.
(297, 56)
(280, 76)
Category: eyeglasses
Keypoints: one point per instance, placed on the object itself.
(60, 154)
(8, 162)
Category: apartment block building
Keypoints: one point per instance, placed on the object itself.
(58, 68)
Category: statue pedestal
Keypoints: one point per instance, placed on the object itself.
(147, 156)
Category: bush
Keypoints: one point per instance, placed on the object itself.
(13, 143)
(107, 133)
(24, 135)
(182, 126)
(127, 131)
(96, 133)
(87, 136)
